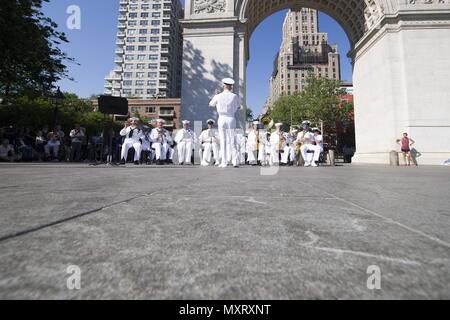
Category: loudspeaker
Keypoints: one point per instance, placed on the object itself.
(113, 105)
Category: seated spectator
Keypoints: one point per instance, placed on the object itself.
(26, 151)
(7, 153)
(45, 131)
(52, 148)
(40, 143)
(78, 136)
(59, 133)
(28, 137)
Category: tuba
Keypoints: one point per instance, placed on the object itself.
(267, 121)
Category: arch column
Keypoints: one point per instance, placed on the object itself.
(402, 84)
(214, 48)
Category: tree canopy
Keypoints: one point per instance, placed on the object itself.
(30, 60)
(319, 102)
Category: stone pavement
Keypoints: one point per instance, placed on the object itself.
(207, 233)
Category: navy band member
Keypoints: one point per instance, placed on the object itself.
(186, 141)
(227, 104)
(162, 140)
(132, 135)
(310, 152)
(209, 141)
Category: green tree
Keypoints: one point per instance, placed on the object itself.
(30, 60)
(319, 102)
(37, 112)
(321, 97)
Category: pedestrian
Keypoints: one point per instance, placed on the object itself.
(406, 143)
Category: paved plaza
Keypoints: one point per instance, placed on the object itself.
(207, 233)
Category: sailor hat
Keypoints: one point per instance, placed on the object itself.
(211, 121)
(228, 81)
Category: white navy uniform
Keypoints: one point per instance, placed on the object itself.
(132, 135)
(252, 146)
(209, 139)
(242, 147)
(227, 104)
(289, 150)
(186, 141)
(162, 139)
(274, 143)
(307, 147)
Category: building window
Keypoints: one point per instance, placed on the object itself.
(150, 109)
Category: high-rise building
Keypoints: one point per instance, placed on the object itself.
(304, 52)
(149, 50)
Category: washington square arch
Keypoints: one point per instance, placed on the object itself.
(401, 65)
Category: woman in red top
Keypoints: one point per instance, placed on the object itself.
(406, 144)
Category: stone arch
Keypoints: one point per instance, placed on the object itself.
(356, 17)
(400, 50)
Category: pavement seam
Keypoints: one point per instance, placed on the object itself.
(389, 220)
(80, 215)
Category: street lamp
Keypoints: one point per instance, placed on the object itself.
(58, 99)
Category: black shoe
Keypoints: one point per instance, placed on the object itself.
(170, 162)
(182, 164)
(122, 163)
(136, 163)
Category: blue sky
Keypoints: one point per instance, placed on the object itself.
(93, 47)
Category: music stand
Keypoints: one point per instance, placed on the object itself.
(110, 106)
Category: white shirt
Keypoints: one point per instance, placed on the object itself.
(307, 136)
(137, 133)
(185, 135)
(252, 140)
(275, 137)
(227, 103)
(77, 136)
(319, 140)
(209, 136)
(161, 136)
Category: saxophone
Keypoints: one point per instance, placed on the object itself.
(282, 142)
(299, 144)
